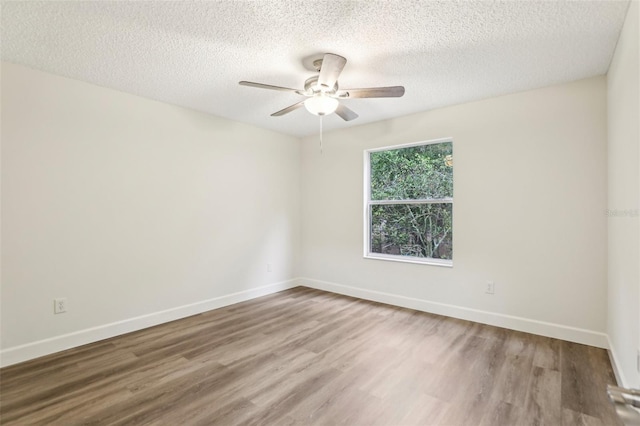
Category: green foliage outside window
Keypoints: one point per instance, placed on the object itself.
(420, 176)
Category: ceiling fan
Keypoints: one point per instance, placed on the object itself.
(322, 91)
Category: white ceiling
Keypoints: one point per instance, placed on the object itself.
(194, 53)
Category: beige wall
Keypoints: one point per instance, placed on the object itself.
(624, 196)
(529, 212)
(130, 207)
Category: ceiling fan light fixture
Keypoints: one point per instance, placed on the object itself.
(321, 104)
(322, 90)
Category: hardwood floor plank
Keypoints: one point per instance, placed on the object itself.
(514, 375)
(571, 418)
(547, 353)
(352, 408)
(172, 398)
(339, 388)
(581, 393)
(425, 411)
(445, 382)
(306, 357)
(27, 398)
(235, 412)
(484, 359)
(55, 365)
(543, 404)
(273, 410)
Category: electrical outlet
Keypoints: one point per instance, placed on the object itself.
(490, 288)
(60, 305)
(269, 268)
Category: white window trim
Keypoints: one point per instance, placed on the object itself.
(367, 202)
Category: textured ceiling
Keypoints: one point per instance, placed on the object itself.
(194, 53)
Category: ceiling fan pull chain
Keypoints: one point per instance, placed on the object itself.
(320, 135)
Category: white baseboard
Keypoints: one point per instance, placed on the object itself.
(43, 347)
(615, 364)
(558, 331)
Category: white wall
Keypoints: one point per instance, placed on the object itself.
(530, 194)
(139, 212)
(130, 207)
(624, 196)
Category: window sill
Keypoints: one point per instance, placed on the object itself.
(407, 259)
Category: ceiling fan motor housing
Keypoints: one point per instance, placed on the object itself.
(317, 64)
(311, 86)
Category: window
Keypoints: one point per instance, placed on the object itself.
(409, 203)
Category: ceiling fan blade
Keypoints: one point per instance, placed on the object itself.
(330, 70)
(345, 113)
(372, 92)
(288, 109)
(266, 86)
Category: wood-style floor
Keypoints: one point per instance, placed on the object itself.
(303, 357)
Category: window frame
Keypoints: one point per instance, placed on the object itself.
(368, 202)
